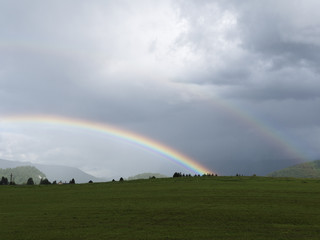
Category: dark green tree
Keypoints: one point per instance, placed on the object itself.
(11, 180)
(4, 181)
(176, 174)
(30, 181)
(72, 181)
(44, 181)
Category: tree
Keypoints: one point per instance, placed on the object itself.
(11, 180)
(44, 181)
(30, 181)
(72, 181)
(4, 181)
(121, 179)
(176, 174)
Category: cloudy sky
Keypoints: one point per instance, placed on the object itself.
(234, 85)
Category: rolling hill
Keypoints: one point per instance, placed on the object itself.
(21, 174)
(303, 170)
(54, 172)
(147, 175)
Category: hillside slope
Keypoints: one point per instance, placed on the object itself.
(146, 176)
(21, 174)
(303, 170)
(65, 174)
(54, 172)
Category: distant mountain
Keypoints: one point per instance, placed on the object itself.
(20, 175)
(54, 172)
(303, 170)
(147, 175)
(65, 174)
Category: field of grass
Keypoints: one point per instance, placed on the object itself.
(179, 208)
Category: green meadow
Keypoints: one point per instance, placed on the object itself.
(172, 208)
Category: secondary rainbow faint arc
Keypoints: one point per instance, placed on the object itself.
(134, 138)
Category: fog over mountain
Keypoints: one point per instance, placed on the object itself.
(55, 173)
(233, 85)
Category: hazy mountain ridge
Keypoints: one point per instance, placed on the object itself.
(146, 176)
(303, 170)
(20, 175)
(54, 172)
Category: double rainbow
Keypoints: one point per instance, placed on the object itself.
(131, 137)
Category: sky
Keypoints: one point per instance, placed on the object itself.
(234, 85)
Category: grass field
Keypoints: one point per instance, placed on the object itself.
(179, 208)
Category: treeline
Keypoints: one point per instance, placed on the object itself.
(30, 181)
(45, 181)
(5, 181)
(179, 174)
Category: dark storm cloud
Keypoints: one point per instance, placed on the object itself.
(280, 29)
(271, 47)
(160, 69)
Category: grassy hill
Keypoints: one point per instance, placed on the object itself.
(241, 208)
(54, 172)
(21, 174)
(303, 170)
(147, 176)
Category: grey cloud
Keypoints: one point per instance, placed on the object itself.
(155, 74)
(268, 33)
(287, 83)
(274, 29)
(50, 84)
(289, 114)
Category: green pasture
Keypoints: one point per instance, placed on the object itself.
(172, 208)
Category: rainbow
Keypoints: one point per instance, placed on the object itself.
(260, 127)
(131, 137)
